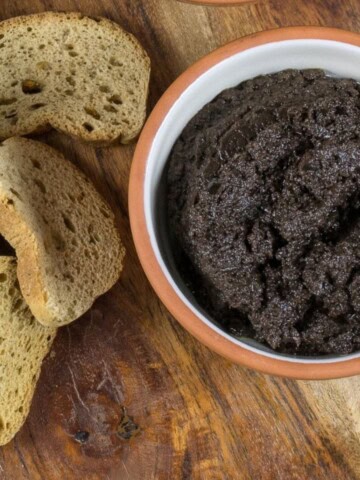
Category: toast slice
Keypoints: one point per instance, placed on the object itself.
(68, 248)
(84, 76)
(24, 344)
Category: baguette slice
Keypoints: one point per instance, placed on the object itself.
(84, 76)
(68, 248)
(24, 344)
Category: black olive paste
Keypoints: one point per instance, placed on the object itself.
(264, 211)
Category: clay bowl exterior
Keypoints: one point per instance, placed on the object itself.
(218, 3)
(334, 50)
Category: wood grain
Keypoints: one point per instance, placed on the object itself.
(126, 392)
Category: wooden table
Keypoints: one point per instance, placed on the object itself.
(154, 402)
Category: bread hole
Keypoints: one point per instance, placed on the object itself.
(94, 237)
(36, 106)
(36, 163)
(66, 33)
(2, 340)
(16, 193)
(69, 277)
(92, 112)
(19, 370)
(74, 242)
(9, 201)
(69, 46)
(104, 212)
(11, 291)
(42, 46)
(48, 338)
(44, 66)
(130, 92)
(88, 127)
(3, 278)
(40, 185)
(21, 409)
(7, 101)
(29, 29)
(71, 81)
(58, 240)
(68, 224)
(69, 93)
(31, 87)
(10, 114)
(115, 99)
(73, 54)
(110, 108)
(2, 45)
(1, 36)
(115, 62)
(14, 83)
(17, 305)
(104, 89)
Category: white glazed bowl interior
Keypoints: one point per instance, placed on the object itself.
(336, 58)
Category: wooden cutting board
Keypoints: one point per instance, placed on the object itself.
(128, 394)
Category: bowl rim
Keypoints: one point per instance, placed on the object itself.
(181, 312)
(219, 3)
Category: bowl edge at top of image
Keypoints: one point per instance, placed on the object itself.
(218, 3)
(333, 50)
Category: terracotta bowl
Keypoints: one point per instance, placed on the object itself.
(333, 50)
(218, 3)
